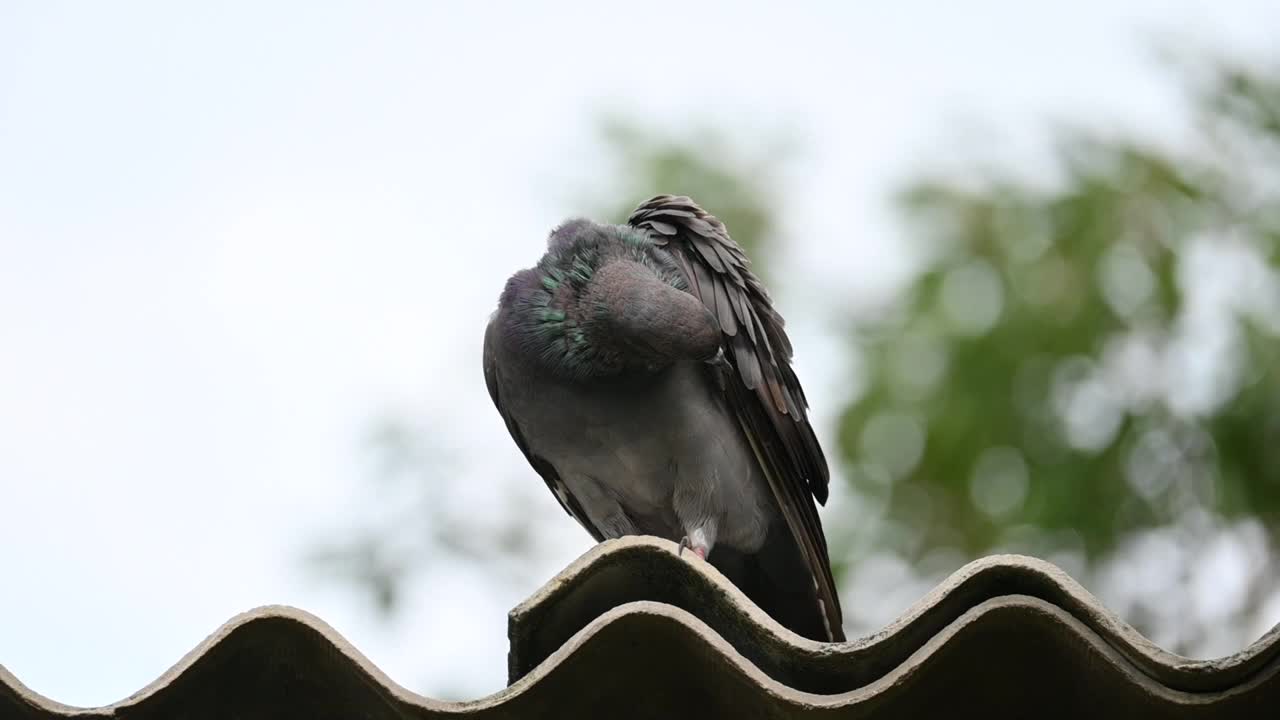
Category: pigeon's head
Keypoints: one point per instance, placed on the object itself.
(606, 300)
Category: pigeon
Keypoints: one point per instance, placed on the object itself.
(646, 377)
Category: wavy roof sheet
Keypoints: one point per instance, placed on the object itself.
(630, 630)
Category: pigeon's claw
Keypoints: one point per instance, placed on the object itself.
(699, 550)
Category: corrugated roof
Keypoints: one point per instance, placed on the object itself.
(630, 630)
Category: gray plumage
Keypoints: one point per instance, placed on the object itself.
(644, 374)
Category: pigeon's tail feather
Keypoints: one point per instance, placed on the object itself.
(776, 579)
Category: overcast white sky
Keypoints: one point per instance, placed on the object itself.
(232, 233)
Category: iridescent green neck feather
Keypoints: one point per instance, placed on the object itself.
(605, 299)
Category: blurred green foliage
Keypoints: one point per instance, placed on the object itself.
(1080, 361)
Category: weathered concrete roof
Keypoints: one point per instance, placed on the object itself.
(631, 630)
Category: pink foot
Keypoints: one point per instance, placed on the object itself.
(699, 550)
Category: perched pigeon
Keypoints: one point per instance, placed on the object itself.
(645, 375)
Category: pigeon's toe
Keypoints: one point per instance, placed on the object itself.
(699, 550)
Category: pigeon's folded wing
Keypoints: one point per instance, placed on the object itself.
(766, 397)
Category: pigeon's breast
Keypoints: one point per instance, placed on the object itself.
(629, 446)
(621, 437)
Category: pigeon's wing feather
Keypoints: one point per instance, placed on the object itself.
(764, 393)
(493, 379)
